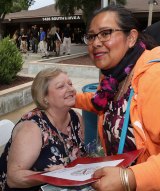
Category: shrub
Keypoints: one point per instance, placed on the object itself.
(11, 61)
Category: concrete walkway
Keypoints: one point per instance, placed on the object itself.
(78, 82)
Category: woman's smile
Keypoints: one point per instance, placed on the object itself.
(99, 55)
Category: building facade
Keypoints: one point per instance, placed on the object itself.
(49, 16)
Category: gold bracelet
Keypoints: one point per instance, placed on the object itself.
(124, 179)
(121, 173)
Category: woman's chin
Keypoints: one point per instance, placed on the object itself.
(100, 65)
(71, 103)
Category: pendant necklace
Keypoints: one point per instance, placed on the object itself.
(59, 133)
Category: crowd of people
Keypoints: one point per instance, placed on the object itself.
(51, 136)
(37, 39)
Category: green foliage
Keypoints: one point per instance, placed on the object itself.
(68, 7)
(7, 6)
(11, 61)
(19, 5)
(4, 7)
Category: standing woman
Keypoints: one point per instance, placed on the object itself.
(127, 61)
(15, 38)
(46, 138)
(58, 40)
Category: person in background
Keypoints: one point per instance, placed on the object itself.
(23, 40)
(43, 43)
(129, 64)
(52, 34)
(153, 30)
(24, 44)
(48, 40)
(15, 38)
(58, 41)
(80, 35)
(35, 38)
(75, 31)
(28, 39)
(67, 36)
(46, 138)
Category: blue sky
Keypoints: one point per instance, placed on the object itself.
(41, 3)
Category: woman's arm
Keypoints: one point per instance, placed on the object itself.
(83, 101)
(24, 151)
(145, 117)
(147, 173)
(110, 178)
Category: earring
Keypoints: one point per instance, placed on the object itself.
(45, 101)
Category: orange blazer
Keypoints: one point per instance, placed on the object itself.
(145, 118)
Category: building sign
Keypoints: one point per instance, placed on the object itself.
(61, 18)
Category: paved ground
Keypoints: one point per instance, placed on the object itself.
(75, 48)
(77, 82)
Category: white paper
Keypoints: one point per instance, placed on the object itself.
(81, 172)
(49, 187)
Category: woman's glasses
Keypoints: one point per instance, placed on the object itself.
(103, 36)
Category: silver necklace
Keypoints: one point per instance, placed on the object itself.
(63, 141)
(60, 136)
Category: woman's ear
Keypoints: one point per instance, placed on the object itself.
(132, 37)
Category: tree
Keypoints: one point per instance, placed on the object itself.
(68, 7)
(19, 5)
(13, 6)
(9, 6)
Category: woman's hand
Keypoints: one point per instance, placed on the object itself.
(109, 179)
(54, 167)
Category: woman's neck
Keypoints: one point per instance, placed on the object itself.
(59, 119)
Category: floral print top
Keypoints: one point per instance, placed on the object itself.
(57, 148)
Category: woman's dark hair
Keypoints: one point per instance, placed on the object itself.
(126, 21)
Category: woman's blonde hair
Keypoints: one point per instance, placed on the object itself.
(40, 85)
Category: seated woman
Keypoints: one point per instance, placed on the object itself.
(46, 138)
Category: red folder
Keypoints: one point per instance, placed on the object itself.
(128, 159)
